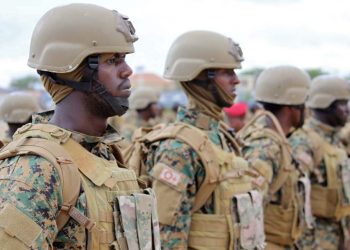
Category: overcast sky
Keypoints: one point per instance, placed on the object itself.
(304, 33)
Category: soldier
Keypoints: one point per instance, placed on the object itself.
(61, 183)
(16, 109)
(143, 101)
(282, 92)
(205, 199)
(317, 146)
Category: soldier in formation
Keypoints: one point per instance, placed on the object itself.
(16, 109)
(282, 92)
(318, 148)
(62, 183)
(144, 104)
(205, 198)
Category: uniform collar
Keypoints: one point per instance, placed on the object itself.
(313, 123)
(197, 119)
(93, 144)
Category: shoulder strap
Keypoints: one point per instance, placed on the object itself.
(281, 139)
(327, 152)
(231, 137)
(200, 142)
(316, 144)
(58, 157)
(135, 153)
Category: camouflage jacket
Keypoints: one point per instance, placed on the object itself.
(32, 185)
(265, 150)
(181, 157)
(308, 154)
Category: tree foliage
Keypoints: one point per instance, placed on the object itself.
(251, 72)
(25, 82)
(314, 72)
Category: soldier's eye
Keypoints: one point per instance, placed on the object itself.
(111, 61)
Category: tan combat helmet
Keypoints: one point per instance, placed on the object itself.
(66, 35)
(284, 85)
(141, 97)
(18, 107)
(189, 55)
(326, 89)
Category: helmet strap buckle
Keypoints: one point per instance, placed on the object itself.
(211, 74)
(93, 62)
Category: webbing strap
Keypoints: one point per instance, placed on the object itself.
(281, 139)
(79, 217)
(333, 157)
(155, 220)
(231, 138)
(200, 142)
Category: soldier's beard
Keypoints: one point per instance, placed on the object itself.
(99, 106)
(301, 119)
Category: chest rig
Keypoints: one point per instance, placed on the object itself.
(237, 221)
(120, 215)
(331, 199)
(286, 218)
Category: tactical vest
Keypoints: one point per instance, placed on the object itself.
(120, 214)
(283, 220)
(333, 199)
(238, 219)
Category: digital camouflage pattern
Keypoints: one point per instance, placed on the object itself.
(252, 151)
(144, 220)
(128, 220)
(327, 233)
(267, 150)
(182, 158)
(247, 220)
(32, 184)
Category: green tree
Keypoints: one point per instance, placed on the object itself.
(316, 72)
(25, 82)
(251, 72)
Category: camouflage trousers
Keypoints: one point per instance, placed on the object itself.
(328, 234)
(308, 241)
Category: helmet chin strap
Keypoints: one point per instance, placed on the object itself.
(210, 85)
(90, 84)
(119, 105)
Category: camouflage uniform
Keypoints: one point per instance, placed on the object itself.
(265, 151)
(270, 162)
(181, 157)
(328, 233)
(34, 188)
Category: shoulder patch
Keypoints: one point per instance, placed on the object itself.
(169, 176)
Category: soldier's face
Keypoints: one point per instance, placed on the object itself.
(299, 112)
(341, 112)
(154, 110)
(113, 74)
(227, 80)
